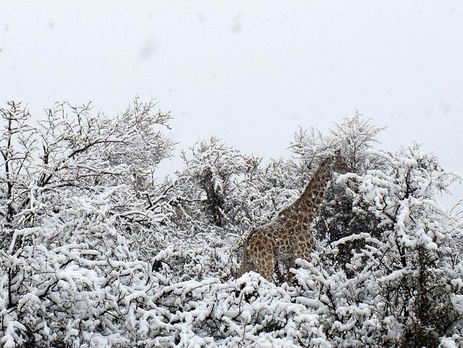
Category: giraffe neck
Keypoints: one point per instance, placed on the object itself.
(301, 213)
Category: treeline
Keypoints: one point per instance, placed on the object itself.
(95, 252)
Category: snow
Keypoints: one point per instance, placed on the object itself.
(102, 256)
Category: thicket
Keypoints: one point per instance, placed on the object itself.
(95, 252)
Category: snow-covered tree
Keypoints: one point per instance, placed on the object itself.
(75, 185)
(402, 283)
(208, 186)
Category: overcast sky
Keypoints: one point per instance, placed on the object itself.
(249, 72)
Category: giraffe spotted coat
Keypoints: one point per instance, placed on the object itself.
(273, 248)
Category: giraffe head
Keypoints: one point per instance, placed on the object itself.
(338, 163)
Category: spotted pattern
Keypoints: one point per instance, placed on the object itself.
(271, 250)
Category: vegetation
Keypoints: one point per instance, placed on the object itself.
(94, 252)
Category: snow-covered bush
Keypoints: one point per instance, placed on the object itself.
(75, 186)
(402, 281)
(210, 186)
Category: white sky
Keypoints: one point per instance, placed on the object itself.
(248, 71)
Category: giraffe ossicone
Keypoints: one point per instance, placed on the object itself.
(273, 248)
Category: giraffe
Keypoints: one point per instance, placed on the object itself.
(288, 236)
